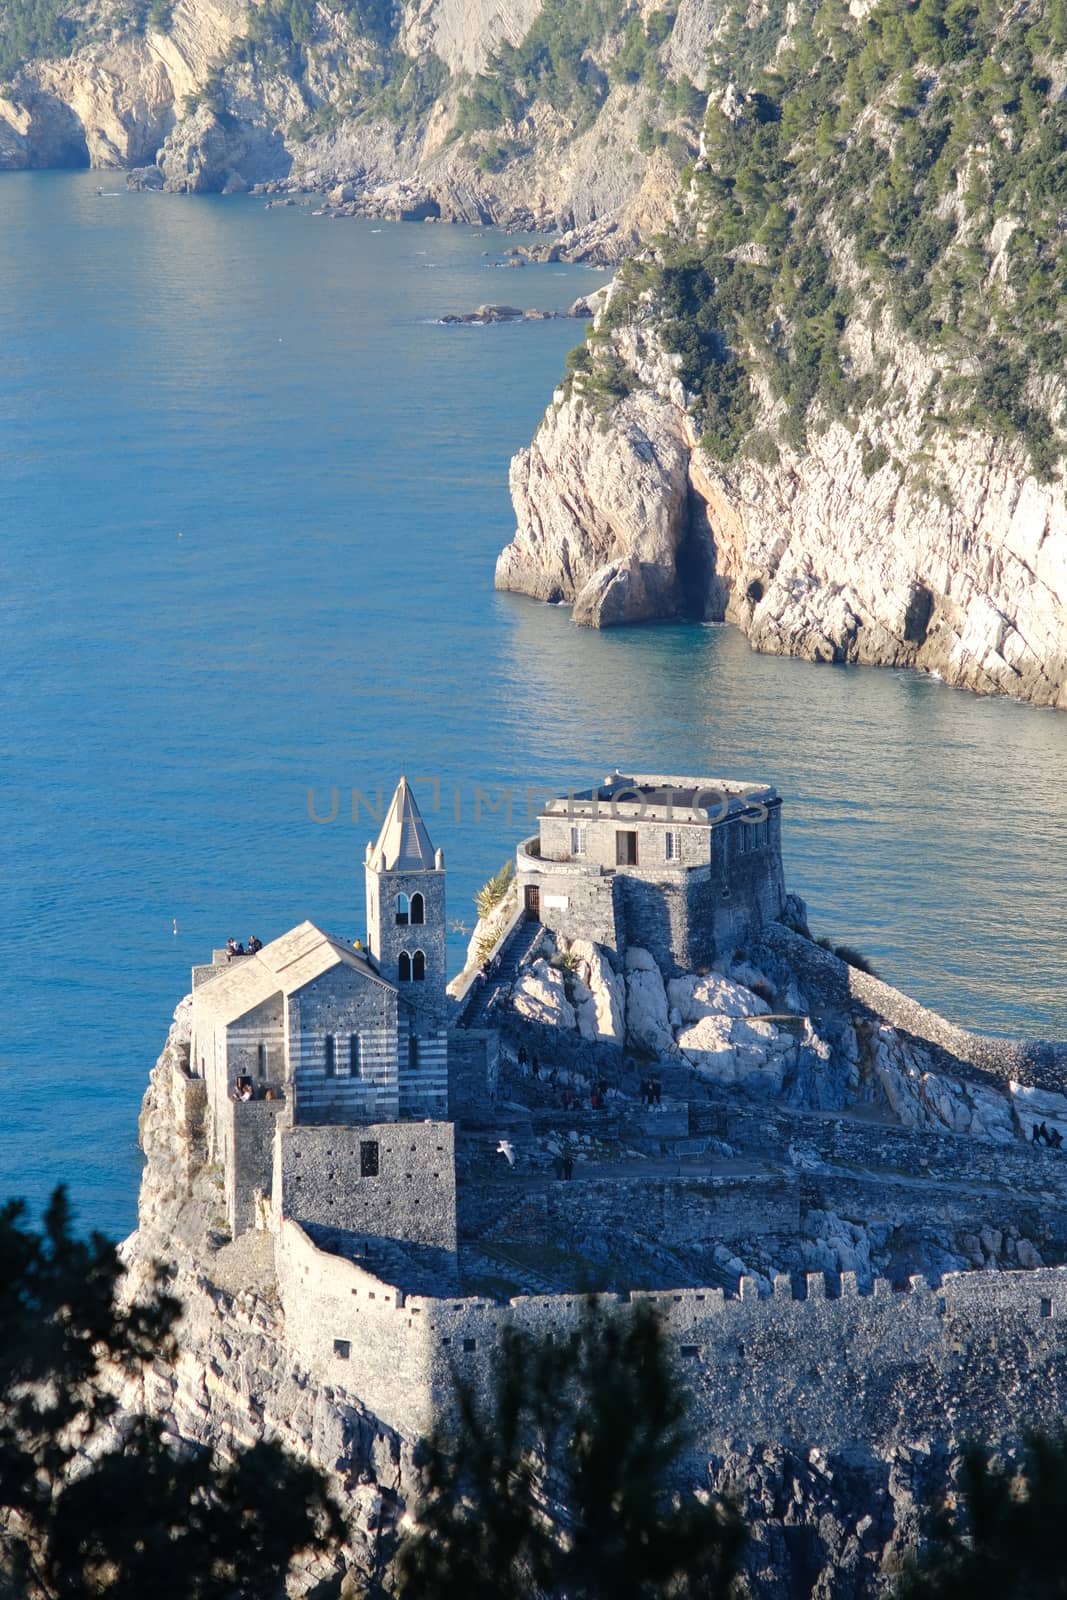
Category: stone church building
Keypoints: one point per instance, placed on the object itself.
(330, 1033)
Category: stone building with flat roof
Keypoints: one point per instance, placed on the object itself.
(684, 867)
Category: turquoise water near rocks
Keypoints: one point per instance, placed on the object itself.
(250, 500)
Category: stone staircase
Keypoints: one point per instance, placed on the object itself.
(488, 992)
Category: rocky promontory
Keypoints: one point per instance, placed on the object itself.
(958, 566)
(824, 1163)
(828, 404)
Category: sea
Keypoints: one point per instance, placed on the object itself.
(251, 496)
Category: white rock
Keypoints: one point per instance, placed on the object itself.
(694, 997)
(647, 1026)
(540, 995)
(603, 1015)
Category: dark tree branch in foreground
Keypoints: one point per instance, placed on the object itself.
(561, 1485)
(91, 1509)
(1013, 1545)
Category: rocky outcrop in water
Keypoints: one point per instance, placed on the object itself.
(944, 554)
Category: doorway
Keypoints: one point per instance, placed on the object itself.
(625, 849)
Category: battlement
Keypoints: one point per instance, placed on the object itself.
(819, 1360)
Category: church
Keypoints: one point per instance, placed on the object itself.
(317, 1031)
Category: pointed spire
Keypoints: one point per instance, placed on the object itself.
(403, 844)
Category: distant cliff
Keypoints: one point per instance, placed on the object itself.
(543, 113)
(829, 407)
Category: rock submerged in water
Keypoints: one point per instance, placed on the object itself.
(484, 315)
(144, 178)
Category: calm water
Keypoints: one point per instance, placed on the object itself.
(250, 500)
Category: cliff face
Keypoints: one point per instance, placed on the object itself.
(488, 110)
(844, 365)
(956, 563)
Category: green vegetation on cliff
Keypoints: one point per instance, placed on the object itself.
(554, 62)
(902, 174)
(31, 29)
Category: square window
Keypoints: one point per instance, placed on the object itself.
(368, 1158)
(1046, 1308)
(342, 1349)
(470, 1344)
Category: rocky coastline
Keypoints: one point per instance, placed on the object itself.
(944, 552)
(205, 105)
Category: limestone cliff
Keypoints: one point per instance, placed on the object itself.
(830, 406)
(955, 562)
(523, 112)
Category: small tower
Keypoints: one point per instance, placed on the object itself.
(406, 934)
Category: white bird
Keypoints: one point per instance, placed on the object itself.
(506, 1148)
(174, 930)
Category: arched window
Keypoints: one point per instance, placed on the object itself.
(418, 966)
(403, 908)
(418, 908)
(403, 967)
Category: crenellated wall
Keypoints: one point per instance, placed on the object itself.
(982, 1356)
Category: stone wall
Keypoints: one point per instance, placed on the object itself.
(981, 1357)
(347, 1327)
(422, 1071)
(833, 984)
(683, 1210)
(324, 1176)
(249, 1141)
(575, 902)
(473, 1066)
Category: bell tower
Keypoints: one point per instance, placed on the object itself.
(406, 905)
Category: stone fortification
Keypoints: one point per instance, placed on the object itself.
(819, 1161)
(834, 984)
(381, 1181)
(826, 1366)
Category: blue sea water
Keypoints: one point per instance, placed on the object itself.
(250, 499)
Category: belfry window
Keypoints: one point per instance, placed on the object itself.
(403, 911)
(418, 909)
(403, 967)
(418, 966)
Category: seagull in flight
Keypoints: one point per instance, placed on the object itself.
(506, 1148)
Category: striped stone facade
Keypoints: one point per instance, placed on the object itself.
(330, 1034)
